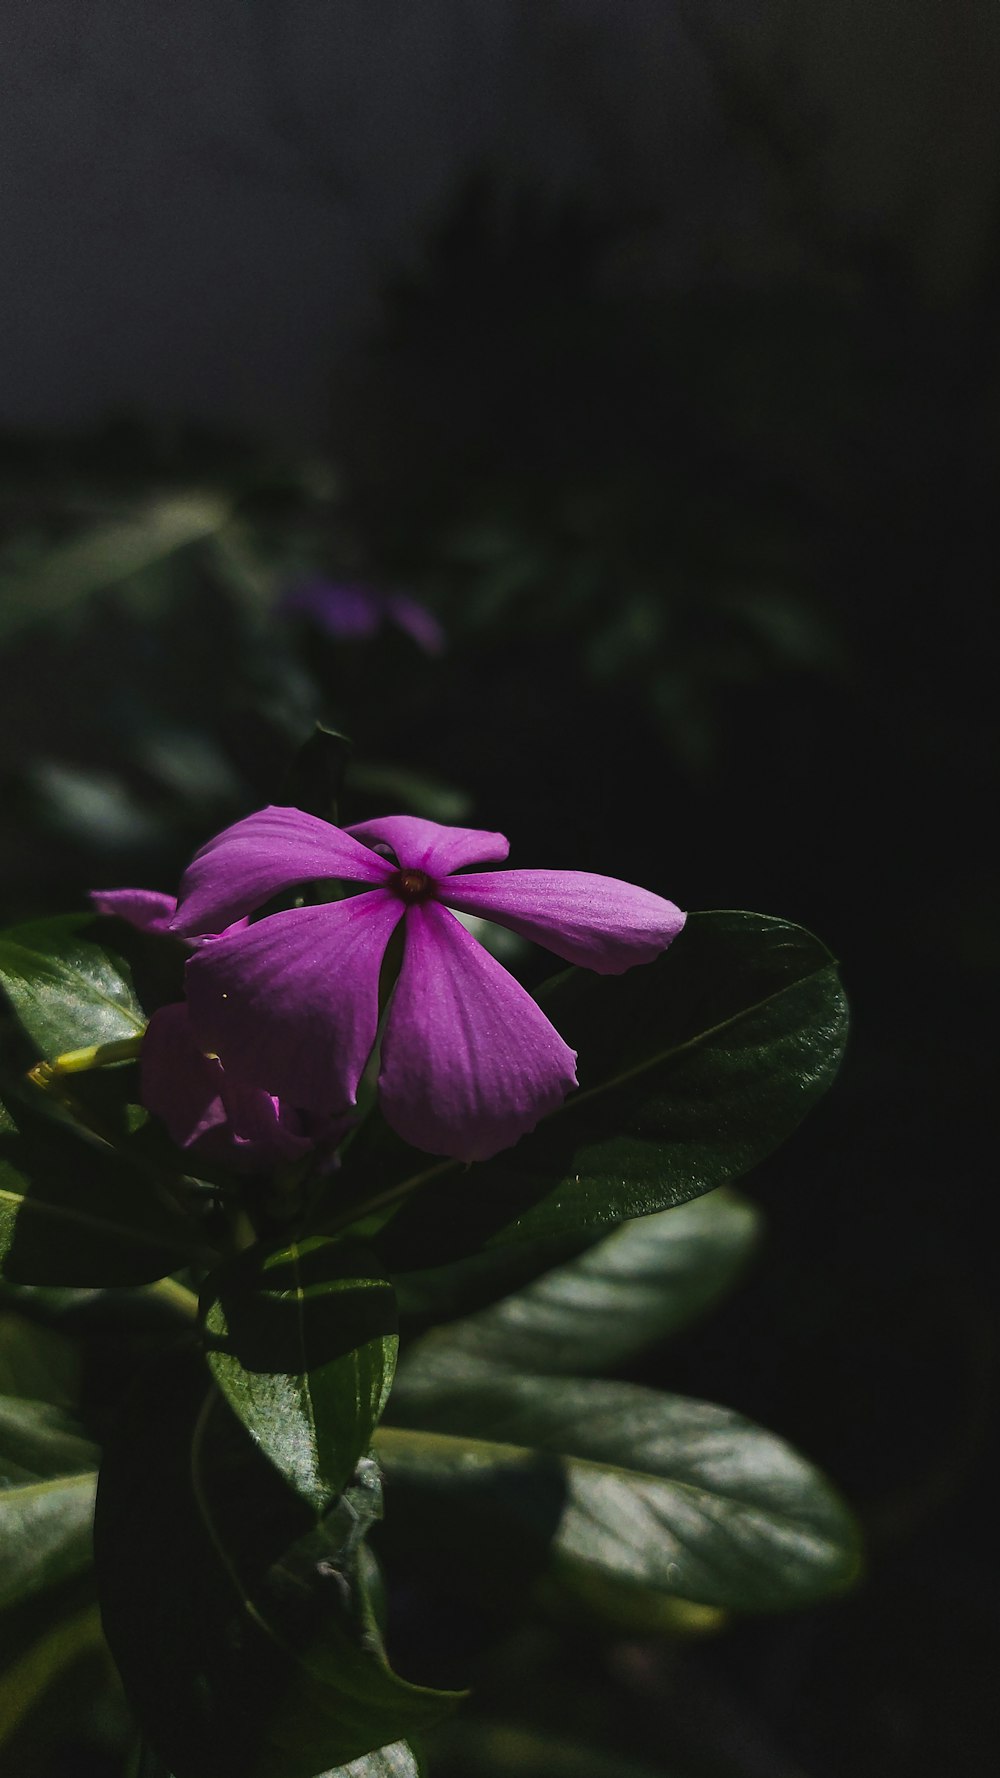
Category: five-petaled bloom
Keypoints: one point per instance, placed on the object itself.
(290, 1004)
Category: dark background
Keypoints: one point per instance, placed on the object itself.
(654, 349)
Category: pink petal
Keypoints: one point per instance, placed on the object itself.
(204, 1108)
(469, 1062)
(427, 846)
(147, 909)
(177, 1080)
(255, 858)
(291, 1004)
(599, 922)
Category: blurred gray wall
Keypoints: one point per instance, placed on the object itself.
(201, 199)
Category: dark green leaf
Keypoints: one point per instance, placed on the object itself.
(691, 1069)
(502, 1749)
(242, 1625)
(426, 795)
(659, 1492)
(67, 992)
(302, 1341)
(47, 1466)
(396, 1761)
(440, 1293)
(161, 1308)
(36, 1363)
(107, 555)
(72, 1212)
(44, 1673)
(48, 1475)
(637, 1285)
(315, 777)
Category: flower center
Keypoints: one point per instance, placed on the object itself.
(412, 885)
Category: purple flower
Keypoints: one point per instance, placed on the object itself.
(352, 612)
(203, 1107)
(146, 909)
(469, 1063)
(206, 1109)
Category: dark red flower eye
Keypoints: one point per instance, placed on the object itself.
(412, 885)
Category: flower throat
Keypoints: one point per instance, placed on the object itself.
(412, 885)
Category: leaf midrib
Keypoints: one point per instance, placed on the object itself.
(690, 1043)
(18, 1490)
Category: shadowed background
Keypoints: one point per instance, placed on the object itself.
(653, 350)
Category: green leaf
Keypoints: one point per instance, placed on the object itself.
(73, 1212)
(315, 777)
(49, 1623)
(637, 1285)
(440, 1293)
(160, 1308)
(644, 1490)
(72, 1638)
(691, 1070)
(47, 1466)
(396, 1761)
(107, 555)
(253, 1652)
(302, 1341)
(488, 1748)
(36, 1363)
(67, 992)
(426, 795)
(45, 1524)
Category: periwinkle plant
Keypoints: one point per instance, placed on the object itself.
(379, 1215)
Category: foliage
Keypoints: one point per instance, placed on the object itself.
(218, 1357)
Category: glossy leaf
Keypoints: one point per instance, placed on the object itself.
(67, 991)
(691, 1069)
(255, 1653)
(657, 1492)
(73, 1212)
(47, 1467)
(637, 1285)
(302, 1342)
(395, 1761)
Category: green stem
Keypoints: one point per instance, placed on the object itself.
(95, 1055)
(175, 1296)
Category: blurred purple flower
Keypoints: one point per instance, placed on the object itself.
(352, 612)
(469, 1062)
